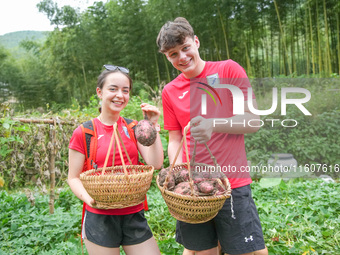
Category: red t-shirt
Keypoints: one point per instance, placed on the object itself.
(104, 134)
(182, 102)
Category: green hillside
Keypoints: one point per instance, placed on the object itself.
(11, 40)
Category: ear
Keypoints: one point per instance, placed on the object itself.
(99, 93)
(197, 42)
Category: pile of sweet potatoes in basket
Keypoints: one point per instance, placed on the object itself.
(204, 183)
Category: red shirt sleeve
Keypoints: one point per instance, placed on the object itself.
(77, 142)
(170, 119)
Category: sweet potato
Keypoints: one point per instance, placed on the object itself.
(198, 177)
(183, 188)
(182, 176)
(162, 176)
(171, 182)
(207, 187)
(145, 133)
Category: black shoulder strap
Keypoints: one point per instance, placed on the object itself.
(128, 121)
(88, 135)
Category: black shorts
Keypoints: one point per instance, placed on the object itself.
(237, 226)
(113, 231)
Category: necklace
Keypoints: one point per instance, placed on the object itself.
(100, 119)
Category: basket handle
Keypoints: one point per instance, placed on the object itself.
(127, 154)
(184, 140)
(211, 155)
(180, 146)
(165, 185)
(115, 135)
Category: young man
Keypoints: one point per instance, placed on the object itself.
(207, 94)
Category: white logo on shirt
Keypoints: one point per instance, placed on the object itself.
(126, 131)
(213, 80)
(100, 136)
(184, 93)
(250, 238)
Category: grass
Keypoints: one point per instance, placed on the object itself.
(298, 217)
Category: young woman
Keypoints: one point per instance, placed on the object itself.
(104, 231)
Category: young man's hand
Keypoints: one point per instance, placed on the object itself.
(201, 129)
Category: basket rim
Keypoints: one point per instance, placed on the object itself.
(191, 197)
(148, 168)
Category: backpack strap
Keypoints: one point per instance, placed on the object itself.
(90, 144)
(131, 125)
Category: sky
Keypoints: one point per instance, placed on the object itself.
(21, 15)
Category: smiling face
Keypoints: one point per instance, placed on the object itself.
(185, 57)
(115, 92)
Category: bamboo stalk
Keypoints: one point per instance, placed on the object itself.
(328, 59)
(249, 71)
(217, 50)
(306, 41)
(224, 33)
(85, 80)
(292, 47)
(166, 67)
(338, 40)
(311, 38)
(319, 40)
(52, 167)
(266, 49)
(157, 70)
(283, 39)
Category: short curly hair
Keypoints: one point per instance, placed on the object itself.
(174, 33)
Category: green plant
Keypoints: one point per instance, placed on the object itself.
(298, 217)
(30, 229)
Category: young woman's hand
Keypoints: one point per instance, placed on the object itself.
(151, 112)
(90, 202)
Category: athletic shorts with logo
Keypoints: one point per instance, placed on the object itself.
(237, 227)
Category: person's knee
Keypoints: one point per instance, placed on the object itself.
(261, 252)
(212, 251)
(188, 252)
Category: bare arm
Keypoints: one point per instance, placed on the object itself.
(76, 164)
(153, 155)
(175, 137)
(201, 128)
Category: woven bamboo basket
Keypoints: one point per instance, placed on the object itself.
(192, 208)
(118, 186)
